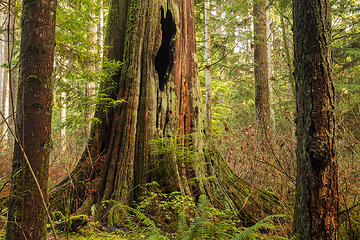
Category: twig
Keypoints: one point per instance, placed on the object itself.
(4, 186)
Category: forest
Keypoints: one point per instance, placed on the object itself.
(180, 119)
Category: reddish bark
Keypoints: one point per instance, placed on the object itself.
(27, 216)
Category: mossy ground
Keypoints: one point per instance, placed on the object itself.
(90, 232)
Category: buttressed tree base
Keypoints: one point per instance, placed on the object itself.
(155, 41)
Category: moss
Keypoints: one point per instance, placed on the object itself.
(58, 216)
(73, 224)
(93, 232)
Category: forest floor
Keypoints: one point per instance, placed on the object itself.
(89, 233)
(60, 168)
(268, 166)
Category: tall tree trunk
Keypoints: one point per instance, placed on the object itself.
(90, 85)
(2, 51)
(289, 60)
(12, 73)
(63, 106)
(269, 42)
(316, 207)
(158, 81)
(5, 103)
(208, 86)
(101, 31)
(27, 216)
(8, 86)
(5, 82)
(262, 95)
(285, 37)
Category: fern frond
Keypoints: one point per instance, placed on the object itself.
(249, 232)
(130, 213)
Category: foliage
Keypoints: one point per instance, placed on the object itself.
(268, 165)
(173, 216)
(122, 215)
(78, 63)
(179, 146)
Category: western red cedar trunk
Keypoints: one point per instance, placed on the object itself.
(159, 83)
(316, 208)
(27, 216)
(261, 69)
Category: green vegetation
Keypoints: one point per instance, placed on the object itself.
(268, 164)
(173, 216)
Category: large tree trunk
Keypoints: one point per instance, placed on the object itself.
(261, 69)
(159, 83)
(27, 216)
(316, 208)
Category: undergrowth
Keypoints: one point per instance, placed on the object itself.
(174, 216)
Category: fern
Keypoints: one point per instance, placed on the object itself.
(204, 225)
(207, 223)
(130, 213)
(250, 232)
(199, 225)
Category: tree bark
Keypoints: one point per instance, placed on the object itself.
(316, 208)
(269, 42)
(101, 31)
(90, 85)
(286, 41)
(63, 108)
(261, 74)
(208, 85)
(12, 70)
(159, 83)
(5, 103)
(5, 80)
(27, 216)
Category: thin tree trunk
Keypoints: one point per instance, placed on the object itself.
(2, 70)
(101, 31)
(317, 200)
(12, 73)
(63, 135)
(5, 105)
(285, 36)
(207, 65)
(90, 86)
(5, 84)
(159, 83)
(289, 61)
(27, 214)
(262, 98)
(270, 67)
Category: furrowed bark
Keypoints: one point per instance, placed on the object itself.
(316, 208)
(159, 83)
(27, 216)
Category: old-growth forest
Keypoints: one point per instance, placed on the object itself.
(179, 119)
